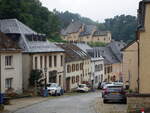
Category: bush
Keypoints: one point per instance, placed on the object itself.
(34, 76)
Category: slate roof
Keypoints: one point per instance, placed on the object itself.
(14, 27)
(83, 46)
(111, 53)
(88, 29)
(73, 53)
(72, 28)
(7, 44)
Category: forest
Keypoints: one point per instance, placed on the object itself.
(40, 19)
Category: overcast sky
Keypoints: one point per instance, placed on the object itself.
(95, 9)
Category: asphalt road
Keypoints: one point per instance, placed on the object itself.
(83, 103)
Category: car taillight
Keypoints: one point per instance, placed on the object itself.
(106, 91)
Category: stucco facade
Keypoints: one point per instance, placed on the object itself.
(11, 76)
(130, 66)
(98, 75)
(144, 53)
(78, 32)
(52, 62)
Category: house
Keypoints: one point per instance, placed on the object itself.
(79, 32)
(130, 65)
(38, 52)
(112, 60)
(10, 65)
(77, 66)
(143, 34)
(97, 62)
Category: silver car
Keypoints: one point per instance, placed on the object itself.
(54, 89)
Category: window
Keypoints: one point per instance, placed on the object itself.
(35, 61)
(41, 61)
(8, 60)
(81, 66)
(45, 61)
(73, 67)
(61, 60)
(68, 68)
(55, 61)
(77, 67)
(73, 80)
(8, 83)
(77, 79)
(50, 61)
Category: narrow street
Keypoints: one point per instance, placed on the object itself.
(84, 103)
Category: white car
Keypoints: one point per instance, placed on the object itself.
(82, 88)
(54, 89)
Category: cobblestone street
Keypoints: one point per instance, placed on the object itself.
(82, 103)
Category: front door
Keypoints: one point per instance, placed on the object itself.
(68, 84)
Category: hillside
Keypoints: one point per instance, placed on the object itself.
(39, 18)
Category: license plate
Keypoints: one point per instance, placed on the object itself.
(114, 93)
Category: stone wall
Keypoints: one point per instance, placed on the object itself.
(135, 102)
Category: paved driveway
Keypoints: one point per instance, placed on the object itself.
(70, 104)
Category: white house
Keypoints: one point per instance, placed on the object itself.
(10, 65)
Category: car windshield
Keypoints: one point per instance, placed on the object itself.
(53, 85)
(81, 86)
(115, 88)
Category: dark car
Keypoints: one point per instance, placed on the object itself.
(114, 93)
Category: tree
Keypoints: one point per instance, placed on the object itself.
(122, 27)
(33, 14)
(34, 76)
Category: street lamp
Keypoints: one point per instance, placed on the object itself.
(45, 71)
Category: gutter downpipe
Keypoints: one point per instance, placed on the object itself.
(138, 80)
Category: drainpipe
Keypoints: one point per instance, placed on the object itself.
(138, 80)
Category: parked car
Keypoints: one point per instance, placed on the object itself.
(105, 87)
(54, 89)
(114, 93)
(82, 88)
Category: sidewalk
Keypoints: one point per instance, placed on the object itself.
(16, 104)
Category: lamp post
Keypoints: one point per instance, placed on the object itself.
(45, 71)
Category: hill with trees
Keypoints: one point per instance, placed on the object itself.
(40, 19)
(123, 27)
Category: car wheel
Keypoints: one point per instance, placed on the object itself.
(55, 93)
(104, 101)
(125, 101)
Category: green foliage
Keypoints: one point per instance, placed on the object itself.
(97, 44)
(122, 27)
(33, 14)
(67, 17)
(34, 76)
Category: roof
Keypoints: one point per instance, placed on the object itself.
(28, 40)
(128, 45)
(72, 28)
(111, 53)
(14, 26)
(83, 46)
(88, 29)
(7, 44)
(73, 53)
